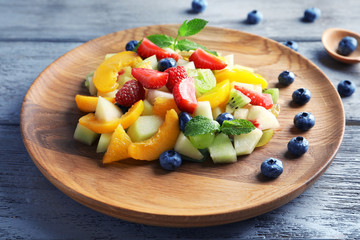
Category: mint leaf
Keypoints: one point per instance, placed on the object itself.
(236, 127)
(161, 40)
(186, 45)
(192, 27)
(199, 125)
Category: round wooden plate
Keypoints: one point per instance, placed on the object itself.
(197, 194)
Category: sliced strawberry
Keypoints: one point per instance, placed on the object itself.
(150, 78)
(131, 92)
(260, 99)
(184, 95)
(176, 74)
(203, 59)
(147, 49)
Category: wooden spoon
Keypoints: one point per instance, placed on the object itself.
(331, 38)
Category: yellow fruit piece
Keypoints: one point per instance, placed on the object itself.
(143, 64)
(241, 75)
(90, 121)
(106, 74)
(217, 96)
(275, 109)
(132, 114)
(163, 140)
(162, 105)
(118, 146)
(88, 103)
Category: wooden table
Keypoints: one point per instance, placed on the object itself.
(34, 33)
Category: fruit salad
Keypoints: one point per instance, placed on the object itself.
(175, 100)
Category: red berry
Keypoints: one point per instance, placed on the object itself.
(184, 95)
(149, 78)
(176, 74)
(203, 59)
(131, 92)
(260, 99)
(147, 49)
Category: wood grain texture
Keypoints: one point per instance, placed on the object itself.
(114, 190)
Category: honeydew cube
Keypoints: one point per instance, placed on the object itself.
(148, 108)
(153, 94)
(90, 84)
(85, 135)
(107, 94)
(216, 112)
(246, 143)
(103, 143)
(144, 127)
(184, 147)
(203, 108)
(241, 113)
(263, 117)
(222, 150)
(106, 111)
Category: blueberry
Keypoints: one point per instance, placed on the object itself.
(291, 44)
(170, 160)
(301, 96)
(166, 63)
(347, 45)
(122, 108)
(298, 146)
(346, 88)
(286, 78)
(184, 117)
(199, 6)
(272, 168)
(130, 46)
(224, 116)
(311, 14)
(304, 121)
(254, 17)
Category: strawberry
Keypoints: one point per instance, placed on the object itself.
(260, 99)
(149, 78)
(176, 74)
(203, 59)
(184, 95)
(147, 49)
(131, 92)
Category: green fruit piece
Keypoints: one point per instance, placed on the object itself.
(204, 81)
(106, 111)
(150, 60)
(204, 109)
(274, 92)
(216, 112)
(124, 75)
(202, 141)
(236, 100)
(185, 148)
(85, 135)
(144, 127)
(265, 138)
(245, 143)
(109, 55)
(222, 150)
(148, 108)
(103, 143)
(241, 113)
(90, 84)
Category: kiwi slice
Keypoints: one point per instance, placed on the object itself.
(236, 100)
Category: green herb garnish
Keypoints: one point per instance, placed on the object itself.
(236, 127)
(199, 125)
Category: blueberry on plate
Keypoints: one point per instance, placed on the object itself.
(291, 44)
(254, 17)
(301, 96)
(311, 14)
(286, 78)
(130, 46)
(199, 6)
(166, 63)
(298, 146)
(184, 117)
(304, 121)
(170, 160)
(346, 88)
(347, 45)
(224, 116)
(272, 167)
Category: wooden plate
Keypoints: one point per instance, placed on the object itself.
(197, 194)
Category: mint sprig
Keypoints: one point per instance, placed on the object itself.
(199, 125)
(236, 127)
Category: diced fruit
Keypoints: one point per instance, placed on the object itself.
(147, 49)
(148, 108)
(132, 114)
(260, 99)
(229, 60)
(241, 113)
(218, 95)
(85, 135)
(130, 93)
(241, 75)
(124, 76)
(89, 83)
(162, 105)
(90, 121)
(186, 64)
(106, 110)
(163, 140)
(253, 87)
(236, 100)
(144, 128)
(275, 109)
(222, 150)
(184, 95)
(149, 78)
(204, 109)
(216, 112)
(176, 74)
(204, 152)
(202, 141)
(263, 117)
(265, 138)
(109, 55)
(166, 63)
(170, 160)
(203, 59)
(118, 146)
(245, 143)
(88, 103)
(103, 143)
(184, 117)
(224, 116)
(107, 94)
(150, 63)
(105, 76)
(274, 92)
(204, 81)
(184, 147)
(153, 94)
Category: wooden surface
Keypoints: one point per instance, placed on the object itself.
(32, 35)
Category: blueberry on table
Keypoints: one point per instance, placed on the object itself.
(130, 46)
(347, 45)
(184, 117)
(170, 160)
(298, 146)
(224, 116)
(272, 168)
(304, 121)
(286, 78)
(291, 44)
(301, 96)
(346, 88)
(166, 63)
(311, 14)
(199, 6)
(254, 17)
